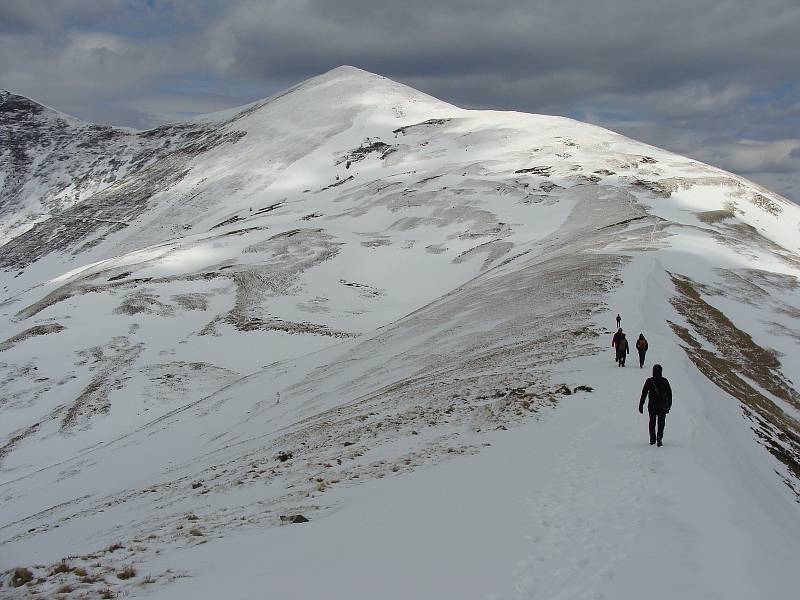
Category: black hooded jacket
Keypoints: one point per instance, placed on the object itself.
(659, 391)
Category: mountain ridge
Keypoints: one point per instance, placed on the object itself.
(343, 290)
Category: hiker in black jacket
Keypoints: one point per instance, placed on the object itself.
(622, 350)
(657, 388)
(641, 346)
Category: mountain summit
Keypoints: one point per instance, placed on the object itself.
(354, 341)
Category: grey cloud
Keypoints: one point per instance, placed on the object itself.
(638, 45)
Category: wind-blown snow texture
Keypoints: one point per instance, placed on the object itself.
(359, 304)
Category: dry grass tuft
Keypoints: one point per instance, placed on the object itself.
(195, 531)
(62, 567)
(21, 576)
(127, 573)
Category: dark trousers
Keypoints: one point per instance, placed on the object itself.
(660, 417)
(641, 357)
(621, 358)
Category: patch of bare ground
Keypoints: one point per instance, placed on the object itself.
(87, 576)
(143, 302)
(276, 324)
(31, 332)
(736, 360)
(420, 126)
(666, 186)
(192, 301)
(370, 146)
(292, 253)
(715, 216)
(766, 204)
(15, 439)
(494, 250)
(167, 382)
(376, 243)
(86, 285)
(111, 364)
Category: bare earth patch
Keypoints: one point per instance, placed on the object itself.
(735, 361)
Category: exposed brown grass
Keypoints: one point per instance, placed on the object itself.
(715, 216)
(15, 439)
(62, 567)
(21, 576)
(735, 360)
(127, 573)
(31, 332)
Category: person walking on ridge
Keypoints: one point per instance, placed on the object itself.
(622, 349)
(619, 320)
(641, 346)
(615, 341)
(660, 402)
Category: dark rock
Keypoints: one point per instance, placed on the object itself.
(293, 519)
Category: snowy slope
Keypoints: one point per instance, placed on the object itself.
(357, 303)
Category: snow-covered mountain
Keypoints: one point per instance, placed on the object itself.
(392, 316)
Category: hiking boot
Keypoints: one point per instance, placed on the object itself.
(659, 444)
(652, 442)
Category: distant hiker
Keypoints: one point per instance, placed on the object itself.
(622, 350)
(641, 346)
(619, 320)
(657, 388)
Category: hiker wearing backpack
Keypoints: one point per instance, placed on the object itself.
(641, 346)
(659, 403)
(616, 339)
(622, 350)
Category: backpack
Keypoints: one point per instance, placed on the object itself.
(661, 399)
(641, 344)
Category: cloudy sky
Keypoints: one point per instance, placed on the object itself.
(716, 80)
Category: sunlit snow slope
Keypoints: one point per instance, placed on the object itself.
(359, 304)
